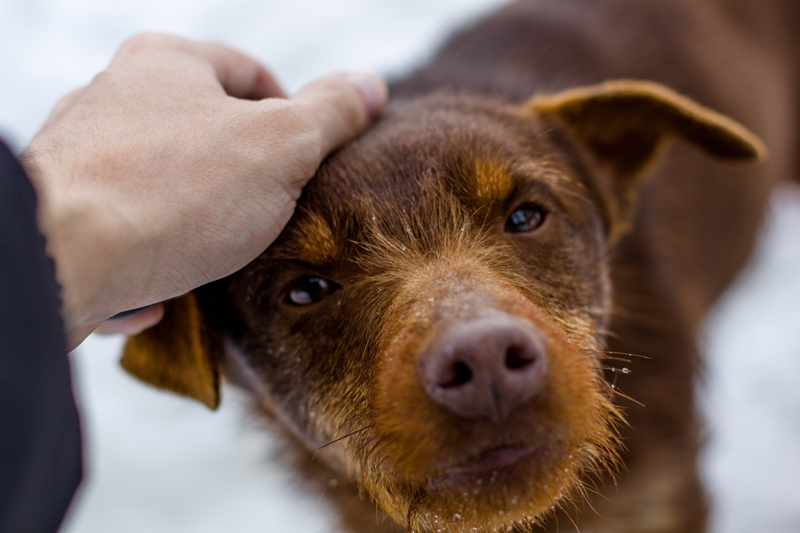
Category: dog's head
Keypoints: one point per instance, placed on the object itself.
(431, 320)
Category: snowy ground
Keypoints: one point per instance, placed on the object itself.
(158, 463)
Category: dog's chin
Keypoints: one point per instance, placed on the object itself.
(501, 487)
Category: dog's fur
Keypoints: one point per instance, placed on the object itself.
(409, 225)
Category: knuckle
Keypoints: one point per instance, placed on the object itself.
(138, 41)
(350, 106)
(276, 123)
(295, 133)
(101, 78)
(345, 99)
(148, 41)
(293, 119)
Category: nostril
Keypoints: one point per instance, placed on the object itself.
(461, 375)
(484, 367)
(517, 358)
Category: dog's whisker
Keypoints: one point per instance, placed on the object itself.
(574, 522)
(608, 354)
(623, 370)
(369, 442)
(584, 490)
(628, 354)
(616, 391)
(334, 441)
(355, 417)
(620, 359)
(594, 489)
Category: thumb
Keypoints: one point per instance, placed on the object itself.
(343, 105)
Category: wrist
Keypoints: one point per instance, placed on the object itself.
(78, 232)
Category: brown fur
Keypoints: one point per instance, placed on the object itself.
(408, 226)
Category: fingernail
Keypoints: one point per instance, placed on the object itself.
(373, 89)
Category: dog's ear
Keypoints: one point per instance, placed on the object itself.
(178, 354)
(623, 123)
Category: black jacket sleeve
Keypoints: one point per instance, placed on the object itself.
(40, 447)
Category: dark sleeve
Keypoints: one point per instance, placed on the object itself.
(40, 447)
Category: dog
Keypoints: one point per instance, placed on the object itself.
(484, 313)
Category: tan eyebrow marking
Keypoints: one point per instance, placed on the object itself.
(492, 182)
(314, 240)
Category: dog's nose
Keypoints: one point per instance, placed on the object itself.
(484, 367)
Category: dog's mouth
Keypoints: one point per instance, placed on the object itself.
(486, 467)
(505, 465)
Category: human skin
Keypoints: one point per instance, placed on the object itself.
(176, 166)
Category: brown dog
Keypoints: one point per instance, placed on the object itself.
(445, 324)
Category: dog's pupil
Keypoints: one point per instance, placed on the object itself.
(524, 218)
(309, 290)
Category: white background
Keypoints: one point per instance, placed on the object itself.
(157, 463)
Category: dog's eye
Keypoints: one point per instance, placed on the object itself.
(526, 217)
(310, 289)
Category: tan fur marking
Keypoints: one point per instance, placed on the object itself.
(492, 182)
(315, 240)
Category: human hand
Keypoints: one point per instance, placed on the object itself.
(176, 166)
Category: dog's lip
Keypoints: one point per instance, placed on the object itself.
(494, 459)
(488, 463)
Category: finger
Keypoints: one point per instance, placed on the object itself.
(240, 75)
(133, 324)
(343, 104)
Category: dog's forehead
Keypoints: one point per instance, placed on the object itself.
(417, 154)
(469, 144)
